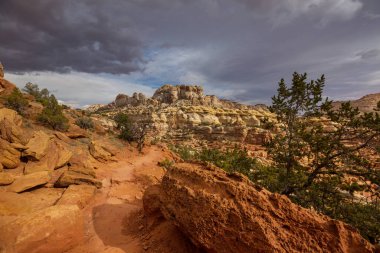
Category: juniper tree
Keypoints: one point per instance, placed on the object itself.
(322, 152)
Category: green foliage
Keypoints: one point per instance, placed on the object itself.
(124, 125)
(16, 101)
(52, 115)
(42, 96)
(314, 157)
(85, 123)
(230, 160)
(166, 163)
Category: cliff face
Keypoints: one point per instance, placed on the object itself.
(183, 112)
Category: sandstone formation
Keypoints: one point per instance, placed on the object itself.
(6, 179)
(72, 177)
(38, 145)
(99, 153)
(183, 112)
(51, 230)
(223, 212)
(29, 181)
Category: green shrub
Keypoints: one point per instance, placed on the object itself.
(124, 125)
(52, 115)
(85, 123)
(16, 101)
(166, 163)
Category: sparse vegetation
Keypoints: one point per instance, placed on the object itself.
(123, 124)
(85, 122)
(16, 101)
(317, 150)
(132, 131)
(52, 114)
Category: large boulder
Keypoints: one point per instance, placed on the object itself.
(38, 145)
(26, 182)
(223, 212)
(9, 156)
(72, 177)
(80, 163)
(55, 229)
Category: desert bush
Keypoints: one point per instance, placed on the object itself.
(166, 163)
(52, 115)
(85, 123)
(124, 125)
(16, 101)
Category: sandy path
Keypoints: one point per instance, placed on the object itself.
(108, 225)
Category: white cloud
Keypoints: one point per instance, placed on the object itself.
(79, 89)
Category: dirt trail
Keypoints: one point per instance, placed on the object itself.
(108, 224)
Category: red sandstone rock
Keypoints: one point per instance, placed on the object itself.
(227, 213)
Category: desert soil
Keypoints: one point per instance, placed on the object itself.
(114, 219)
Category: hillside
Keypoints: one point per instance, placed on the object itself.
(99, 194)
(366, 103)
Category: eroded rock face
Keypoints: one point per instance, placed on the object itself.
(227, 213)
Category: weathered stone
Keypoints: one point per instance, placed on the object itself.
(57, 156)
(6, 178)
(78, 195)
(9, 156)
(54, 229)
(10, 129)
(26, 182)
(99, 153)
(81, 163)
(38, 145)
(221, 212)
(71, 177)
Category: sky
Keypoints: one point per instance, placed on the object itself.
(88, 51)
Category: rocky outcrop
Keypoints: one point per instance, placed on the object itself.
(183, 112)
(1, 70)
(223, 212)
(53, 229)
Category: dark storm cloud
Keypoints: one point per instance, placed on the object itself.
(237, 49)
(87, 36)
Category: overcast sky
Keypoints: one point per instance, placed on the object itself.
(88, 51)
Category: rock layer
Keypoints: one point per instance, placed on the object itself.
(223, 212)
(183, 112)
